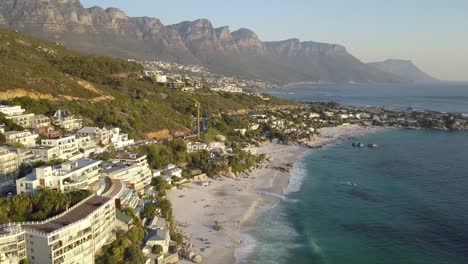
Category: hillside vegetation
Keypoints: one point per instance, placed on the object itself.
(43, 77)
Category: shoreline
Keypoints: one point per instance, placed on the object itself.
(233, 204)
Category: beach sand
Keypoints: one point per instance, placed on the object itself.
(232, 203)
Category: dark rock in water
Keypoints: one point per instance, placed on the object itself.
(354, 144)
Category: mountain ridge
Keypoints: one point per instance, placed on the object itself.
(239, 53)
(406, 69)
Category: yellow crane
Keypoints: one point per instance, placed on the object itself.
(198, 106)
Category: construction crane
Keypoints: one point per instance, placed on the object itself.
(198, 106)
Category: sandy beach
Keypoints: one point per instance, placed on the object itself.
(231, 203)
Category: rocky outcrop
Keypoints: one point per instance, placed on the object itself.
(241, 53)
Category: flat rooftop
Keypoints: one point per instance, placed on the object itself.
(76, 214)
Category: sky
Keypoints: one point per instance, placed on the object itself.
(431, 33)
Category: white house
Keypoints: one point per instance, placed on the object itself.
(120, 140)
(66, 177)
(196, 147)
(66, 120)
(157, 237)
(171, 170)
(25, 138)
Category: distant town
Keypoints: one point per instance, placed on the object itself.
(192, 77)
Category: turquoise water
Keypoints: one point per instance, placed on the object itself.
(406, 202)
(444, 97)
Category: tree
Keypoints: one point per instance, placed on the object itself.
(178, 238)
(133, 254)
(157, 249)
(160, 184)
(149, 211)
(2, 139)
(24, 261)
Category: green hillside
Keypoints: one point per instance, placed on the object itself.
(43, 77)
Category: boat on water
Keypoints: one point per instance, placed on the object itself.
(373, 146)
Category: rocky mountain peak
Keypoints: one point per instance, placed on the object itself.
(116, 13)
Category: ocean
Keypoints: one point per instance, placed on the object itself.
(405, 202)
(443, 97)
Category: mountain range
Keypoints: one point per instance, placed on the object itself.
(239, 53)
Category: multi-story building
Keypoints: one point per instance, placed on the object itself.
(100, 135)
(45, 153)
(8, 167)
(120, 140)
(12, 110)
(12, 244)
(66, 177)
(87, 146)
(67, 121)
(68, 146)
(17, 114)
(25, 138)
(132, 169)
(72, 237)
(39, 121)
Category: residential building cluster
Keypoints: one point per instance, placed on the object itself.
(76, 235)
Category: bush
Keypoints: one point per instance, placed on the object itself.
(157, 249)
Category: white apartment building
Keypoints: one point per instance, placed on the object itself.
(67, 121)
(132, 169)
(17, 114)
(120, 140)
(9, 165)
(45, 153)
(68, 146)
(66, 177)
(12, 244)
(12, 110)
(25, 138)
(72, 237)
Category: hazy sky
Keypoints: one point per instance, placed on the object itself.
(431, 33)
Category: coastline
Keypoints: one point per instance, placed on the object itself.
(235, 203)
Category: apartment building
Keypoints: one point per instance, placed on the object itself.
(67, 121)
(17, 114)
(39, 121)
(132, 169)
(25, 138)
(68, 146)
(12, 244)
(100, 135)
(72, 237)
(45, 153)
(66, 177)
(9, 165)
